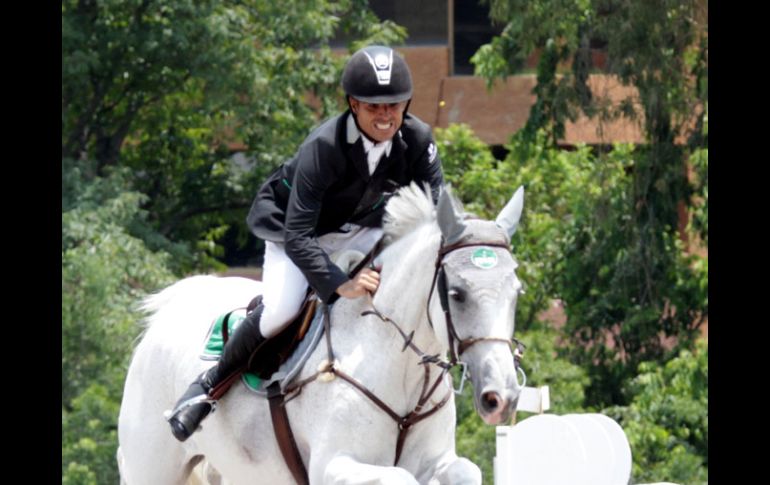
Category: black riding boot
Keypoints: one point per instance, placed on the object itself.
(196, 403)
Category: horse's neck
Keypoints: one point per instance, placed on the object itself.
(406, 279)
(405, 288)
(402, 297)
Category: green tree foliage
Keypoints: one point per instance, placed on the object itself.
(553, 28)
(627, 278)
(578, 242)
(105, 271)
(572, 234)
(667, 419)
(660, 47)
(89, 438)
(560, 186)
(163, 87)
(628, 286)
(545, 367)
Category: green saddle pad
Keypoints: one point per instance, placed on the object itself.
(214, 343)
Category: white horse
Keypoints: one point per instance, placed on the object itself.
(343, 436)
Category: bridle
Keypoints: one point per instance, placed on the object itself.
(439, 282)
(328, 369)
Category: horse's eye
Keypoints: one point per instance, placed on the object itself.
(457, 295)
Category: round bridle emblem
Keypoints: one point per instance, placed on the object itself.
(484, 258)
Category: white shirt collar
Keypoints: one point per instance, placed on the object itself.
(352, 130)
(374, 151)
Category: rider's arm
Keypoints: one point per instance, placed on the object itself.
(366, 281)
(314, 174)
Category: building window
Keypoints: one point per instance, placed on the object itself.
(425, 20)
(472, 29)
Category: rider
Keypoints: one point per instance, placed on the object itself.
(329, 196)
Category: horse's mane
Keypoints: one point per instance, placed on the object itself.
(410, 208)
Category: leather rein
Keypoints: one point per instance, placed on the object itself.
(327, 370)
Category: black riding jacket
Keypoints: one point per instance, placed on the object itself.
(327, 184)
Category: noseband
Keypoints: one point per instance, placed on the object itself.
(439, 281)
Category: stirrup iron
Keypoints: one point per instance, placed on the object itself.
(202, 398)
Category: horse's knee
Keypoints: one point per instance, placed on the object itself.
(344, 470)
(398, 476)
(461, 471)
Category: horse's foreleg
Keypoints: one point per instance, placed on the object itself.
(345, 470)
(454, 470)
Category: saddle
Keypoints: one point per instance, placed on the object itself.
(269, 357)
(275, 351)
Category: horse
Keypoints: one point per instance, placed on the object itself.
(448, 287)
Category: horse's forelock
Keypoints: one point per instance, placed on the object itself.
(410, 208)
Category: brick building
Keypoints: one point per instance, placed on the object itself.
(443, 35)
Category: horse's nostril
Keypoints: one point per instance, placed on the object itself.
(490, 401)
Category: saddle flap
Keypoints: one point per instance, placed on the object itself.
(278, 349)
(274, 353)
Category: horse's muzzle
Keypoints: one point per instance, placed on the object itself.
(494, 408)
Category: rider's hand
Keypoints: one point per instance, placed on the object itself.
(367, 280)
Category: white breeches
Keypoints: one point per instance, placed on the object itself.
(284, 285)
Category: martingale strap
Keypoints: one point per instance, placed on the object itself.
(284, 435)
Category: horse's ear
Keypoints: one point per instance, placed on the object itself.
(449, 218)
(511, 213)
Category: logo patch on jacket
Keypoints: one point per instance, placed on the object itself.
(432, 152)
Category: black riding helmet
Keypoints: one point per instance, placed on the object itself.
(377, 74)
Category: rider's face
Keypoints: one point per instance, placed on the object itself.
(379, 121)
